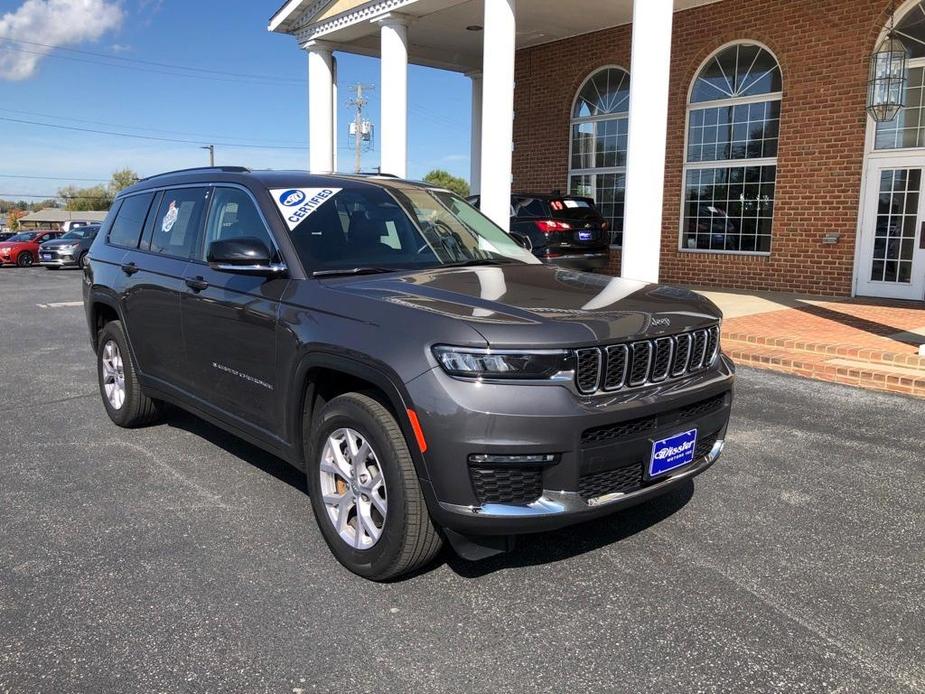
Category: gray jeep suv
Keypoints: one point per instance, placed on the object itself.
(433, 379)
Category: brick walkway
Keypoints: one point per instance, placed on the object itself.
(861, 342)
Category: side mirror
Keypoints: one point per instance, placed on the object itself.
(245, 255)
(522, 241)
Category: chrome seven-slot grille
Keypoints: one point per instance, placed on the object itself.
(646, 361)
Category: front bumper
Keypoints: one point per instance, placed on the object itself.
(591, 476)
(56, 259)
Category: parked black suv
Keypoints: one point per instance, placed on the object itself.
(432, 378)
(565, 230)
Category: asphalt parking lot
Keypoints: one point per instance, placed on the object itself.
(178, 558)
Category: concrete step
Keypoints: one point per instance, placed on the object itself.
(883, 375)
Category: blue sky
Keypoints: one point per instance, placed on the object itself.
(72, 88)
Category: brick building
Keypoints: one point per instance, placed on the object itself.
(774, 175)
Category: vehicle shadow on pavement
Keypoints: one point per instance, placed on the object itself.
(238, 447)
(558, 545)
(531, 550)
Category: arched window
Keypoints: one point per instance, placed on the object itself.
(731, 161)
(597, 167)
(907, 130)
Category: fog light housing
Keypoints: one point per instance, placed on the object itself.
(526, 459)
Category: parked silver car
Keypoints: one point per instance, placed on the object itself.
(70, 250)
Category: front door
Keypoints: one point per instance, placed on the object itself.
(892, 257)
(229, 322)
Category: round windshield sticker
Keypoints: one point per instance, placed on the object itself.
(291, 198)
(171, 217)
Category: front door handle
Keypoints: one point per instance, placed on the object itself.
(922, 236)
(129, 269)
(197, 284)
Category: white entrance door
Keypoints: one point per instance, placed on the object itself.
(892, 258)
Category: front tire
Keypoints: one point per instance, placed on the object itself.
(25, 259)
(123, 398)
(364, 490)
(82, 260)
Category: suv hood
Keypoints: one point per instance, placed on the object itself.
(541, 305)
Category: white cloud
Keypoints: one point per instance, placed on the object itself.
(51, 22)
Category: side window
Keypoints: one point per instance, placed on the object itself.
(234, 215)
(130, 218)
(178, 221)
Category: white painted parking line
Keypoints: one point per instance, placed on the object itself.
(61, 304)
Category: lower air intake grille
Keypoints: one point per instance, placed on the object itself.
(508, 485)
(621, 430)
(624, 480)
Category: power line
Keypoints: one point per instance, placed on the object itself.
(146, 137)
(124, 127)
(57, 178)
(56, 195)
(221, 75)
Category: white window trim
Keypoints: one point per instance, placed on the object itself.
(723, 163)
(573, 121)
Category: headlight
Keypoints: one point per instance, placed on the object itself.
(68, 247)
(487, 363)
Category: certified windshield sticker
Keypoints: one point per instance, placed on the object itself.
(296, 204)
(170, 218)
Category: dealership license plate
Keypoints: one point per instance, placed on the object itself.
(46, 256)
(671, 453)
(585, 235)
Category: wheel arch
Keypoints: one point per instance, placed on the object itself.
(321, 376)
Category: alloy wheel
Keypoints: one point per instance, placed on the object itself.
(113, 375)
(353, 488)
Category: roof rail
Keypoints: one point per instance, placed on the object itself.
(225, 169)
(376, 173)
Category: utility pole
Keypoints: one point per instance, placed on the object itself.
(211, 149)
(361, 129)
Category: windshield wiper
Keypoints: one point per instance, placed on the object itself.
(477, 261)
(365, 270)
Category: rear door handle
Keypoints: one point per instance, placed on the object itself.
(197, 284)
(129, 269)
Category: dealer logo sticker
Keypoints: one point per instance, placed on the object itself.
(296, 204)
(291, 198)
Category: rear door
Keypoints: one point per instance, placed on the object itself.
(155, 282)
(230, 321)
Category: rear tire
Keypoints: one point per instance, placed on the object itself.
(376, 546)
(123, 398)
(25, 259)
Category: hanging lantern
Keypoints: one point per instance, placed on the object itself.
(886, 88)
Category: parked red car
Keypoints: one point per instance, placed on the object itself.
(23, 248)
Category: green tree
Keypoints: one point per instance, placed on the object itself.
(85, 199)
(444, 179)
(122, 179)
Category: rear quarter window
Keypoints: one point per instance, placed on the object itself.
(130, 220)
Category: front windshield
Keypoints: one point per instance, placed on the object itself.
(399, 228)
(25, 236)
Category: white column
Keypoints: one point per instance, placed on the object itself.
(394, 64)
(650, 68)
(320, 108)
(497, 110)
(475, 138)
(334, 106)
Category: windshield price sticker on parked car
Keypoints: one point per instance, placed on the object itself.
(296, 204)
